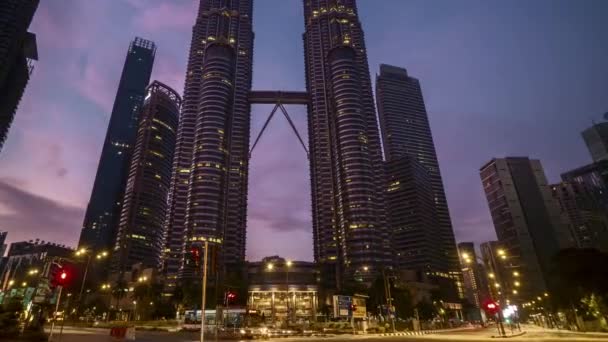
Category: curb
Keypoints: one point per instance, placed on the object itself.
(510, 336)
(411, 333)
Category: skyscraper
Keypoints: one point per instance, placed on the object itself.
(209, 184)
(101, 218)
(596, 139)
(406, 133)
(17, 52)
(583, 209)
(526, 218)
(140, 237)
(2, 243)
(501, 272)
(476, 288)
(412, 217)
(349, 219)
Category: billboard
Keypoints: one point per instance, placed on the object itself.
(342, 306)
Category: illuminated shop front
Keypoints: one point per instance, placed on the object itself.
(283, 290)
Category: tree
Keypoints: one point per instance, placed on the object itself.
(402, 300)
(9, 318)
(426, 310)
(579, 281)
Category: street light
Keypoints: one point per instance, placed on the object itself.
(33, 271)
(288, 264)
(491, 275)
(82, 252)
(515, 274)
(11, 282)
(269, 267)
(365, 268)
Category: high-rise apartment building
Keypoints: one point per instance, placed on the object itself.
(526, 218)
(140, 237)
(503, 274)
(596, 139)
(349, 219)
(103, 211)
(17, 53)
(208, 199)
(406, 133)
(583, 209)
(475, 285)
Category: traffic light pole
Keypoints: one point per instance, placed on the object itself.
(55, 313)
(204, 291)
(389, 299)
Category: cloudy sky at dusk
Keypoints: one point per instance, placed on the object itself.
(499, 78)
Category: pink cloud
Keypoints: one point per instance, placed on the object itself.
(166, 16)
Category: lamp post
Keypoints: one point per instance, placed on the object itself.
(83, 252)
(288, 264)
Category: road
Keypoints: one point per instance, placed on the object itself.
(532, 334)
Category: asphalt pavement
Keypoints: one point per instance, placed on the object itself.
(532, 334)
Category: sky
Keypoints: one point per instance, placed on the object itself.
(500, 78)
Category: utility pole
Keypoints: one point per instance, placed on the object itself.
(204, 291)
(55, 313)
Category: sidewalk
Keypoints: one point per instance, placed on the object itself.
(536, 329)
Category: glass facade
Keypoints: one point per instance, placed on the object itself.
(103, 211)
(17, 52)
(140, 236)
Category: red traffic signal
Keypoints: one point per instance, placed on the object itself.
(62, 278)
(491, 307)
(230, 297)
(195, 255)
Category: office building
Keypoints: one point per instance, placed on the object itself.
(25, 255)
(3, 243)
(526, 219)
(502, 273)
(140, 238)
(581, 207)
(349, 218)
(208, 198)
(593, 177)
(17, 52)
(475, 286)
(412, 217)
(103, 211)
(596, 139)
(406, 133)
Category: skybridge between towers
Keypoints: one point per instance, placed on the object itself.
(279, 99)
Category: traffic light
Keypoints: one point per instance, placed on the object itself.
(491, 307)
(230, 297)
(195, 255)
(60, 277)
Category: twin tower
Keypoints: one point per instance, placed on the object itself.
(178, 198)
(208, 195)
